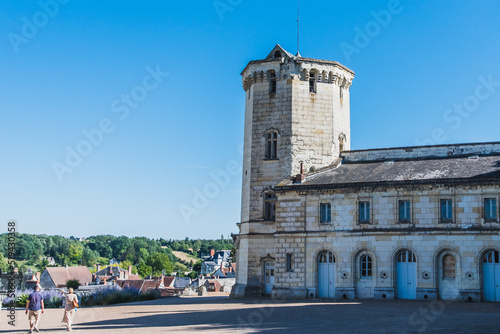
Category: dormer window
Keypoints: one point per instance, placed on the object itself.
(312, 82)
(272, 82)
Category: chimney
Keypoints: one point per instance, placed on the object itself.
(130, 270)
(212, 252)
(37, 277)
(301, 177)
(110, 270)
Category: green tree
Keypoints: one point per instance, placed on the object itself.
(160, 262)
(119, 246)
(3, 264)
(197, 266)
(42, 265)
(125, 264)
(89, 257)
(144, 270)
(143, 255)
(75, 252)
(73, 283)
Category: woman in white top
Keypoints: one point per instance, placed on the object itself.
(69, 310)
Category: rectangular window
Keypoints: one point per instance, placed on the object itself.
(366, 266)
(404, 211)
(325, 213)
(272, 82)
(490, 208)
(312, 82)
(269, 207)
(289, 262)
(364, 212)
(271, 145)
(273, 86)
(446, 210)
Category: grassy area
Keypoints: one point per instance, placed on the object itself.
(185, 257)
(24, 263)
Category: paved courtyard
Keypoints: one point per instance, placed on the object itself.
(224, 315)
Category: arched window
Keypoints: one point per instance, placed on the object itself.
(491, 257)
(277, 54)
(365, 262)
(326, 257)
(271, 145)
(406, 256)
(449, 266)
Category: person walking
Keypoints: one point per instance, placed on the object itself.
(35, 308)
(69, 310)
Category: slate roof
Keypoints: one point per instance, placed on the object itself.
(287, 54)
(115, 271)
(462, 169)
(60, 275)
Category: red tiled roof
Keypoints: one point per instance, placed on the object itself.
(168, 282)
(134, 277)
(147, 286)
(126, 283)
(60, 275)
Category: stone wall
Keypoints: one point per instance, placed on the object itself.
(299, 232)
(422, 151)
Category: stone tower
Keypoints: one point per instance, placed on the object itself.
(297, 119)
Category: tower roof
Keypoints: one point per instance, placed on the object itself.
(282, 52)
(278, 53)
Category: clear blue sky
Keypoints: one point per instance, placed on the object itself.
(72, 73)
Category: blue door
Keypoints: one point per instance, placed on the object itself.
(326, 275)
(491, 277)
(269, 279)
(406, 275)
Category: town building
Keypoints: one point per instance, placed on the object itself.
(111, 273)
(215, 261)
(321, 221)
(56, 277)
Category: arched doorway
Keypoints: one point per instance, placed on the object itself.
(364, 266)
(491, 276)
(326, 275)
(448, 274)
(406, 275)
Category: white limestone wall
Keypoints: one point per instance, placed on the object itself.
(247, 157)
(422, 151)
(467, 238)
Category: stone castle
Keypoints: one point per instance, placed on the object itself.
(321, 221)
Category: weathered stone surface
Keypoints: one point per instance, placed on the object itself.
(312, 130)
